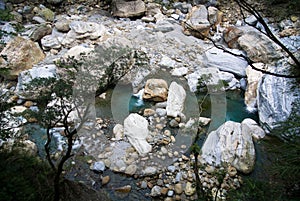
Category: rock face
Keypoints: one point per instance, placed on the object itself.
(27, 76)
(136, 129)
(231, 144)
(223, 61)
(274, 100)
(21, 54)
(258, 47)
(156, 90)
(197, 19)
(253, 77)
(176, 100)
(122, 8)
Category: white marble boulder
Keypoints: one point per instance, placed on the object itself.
(176, 100)
(136, 130)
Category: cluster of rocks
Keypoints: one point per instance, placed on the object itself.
(144, 145)
(155, 142)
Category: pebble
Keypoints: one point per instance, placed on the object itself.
(178, 188)
(144, 184)
(171, 168)
(156, 191)
(170, 193)
(131, 170)
(98, 166)
(124, 189)
(105, 180)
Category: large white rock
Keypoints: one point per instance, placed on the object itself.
(217, 58)
(275, 100)
(232, 145)
(136, 130)
(250, 126)
(176, 99)
(253, 77)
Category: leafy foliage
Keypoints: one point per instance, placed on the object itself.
(24, 178)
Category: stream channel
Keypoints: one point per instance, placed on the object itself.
(235, 110)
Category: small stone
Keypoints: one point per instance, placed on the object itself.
(98, 166)
(105, 180)
(144, 184)
(173, 123)
(156, 191)
(161, 112)
(189, 189)
(204, 121)
(170, 193)
(148, 19)
(178, 188)
(124, 189)
(148, 112)
(173, 139)
(183, 146)
(176, 153)
(232, 171)
(178, 177)
(150, 170)
(118, 131)
(167, 132)
(28, 104)
(131, 169)
(164, 191)
(209, 169)
(164, 150)
(294, 18)
(171, 168)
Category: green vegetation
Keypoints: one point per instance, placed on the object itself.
(24, 178)
(5, 15)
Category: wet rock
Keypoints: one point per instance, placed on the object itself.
(156, 191)
(39, 20)
(173, 123)
(21, 54)
(123, 8)
(136, 129)
(98, 166)
(176, 100)
(232, 145)
(253, 78)
(156, 90)
(217, 58)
